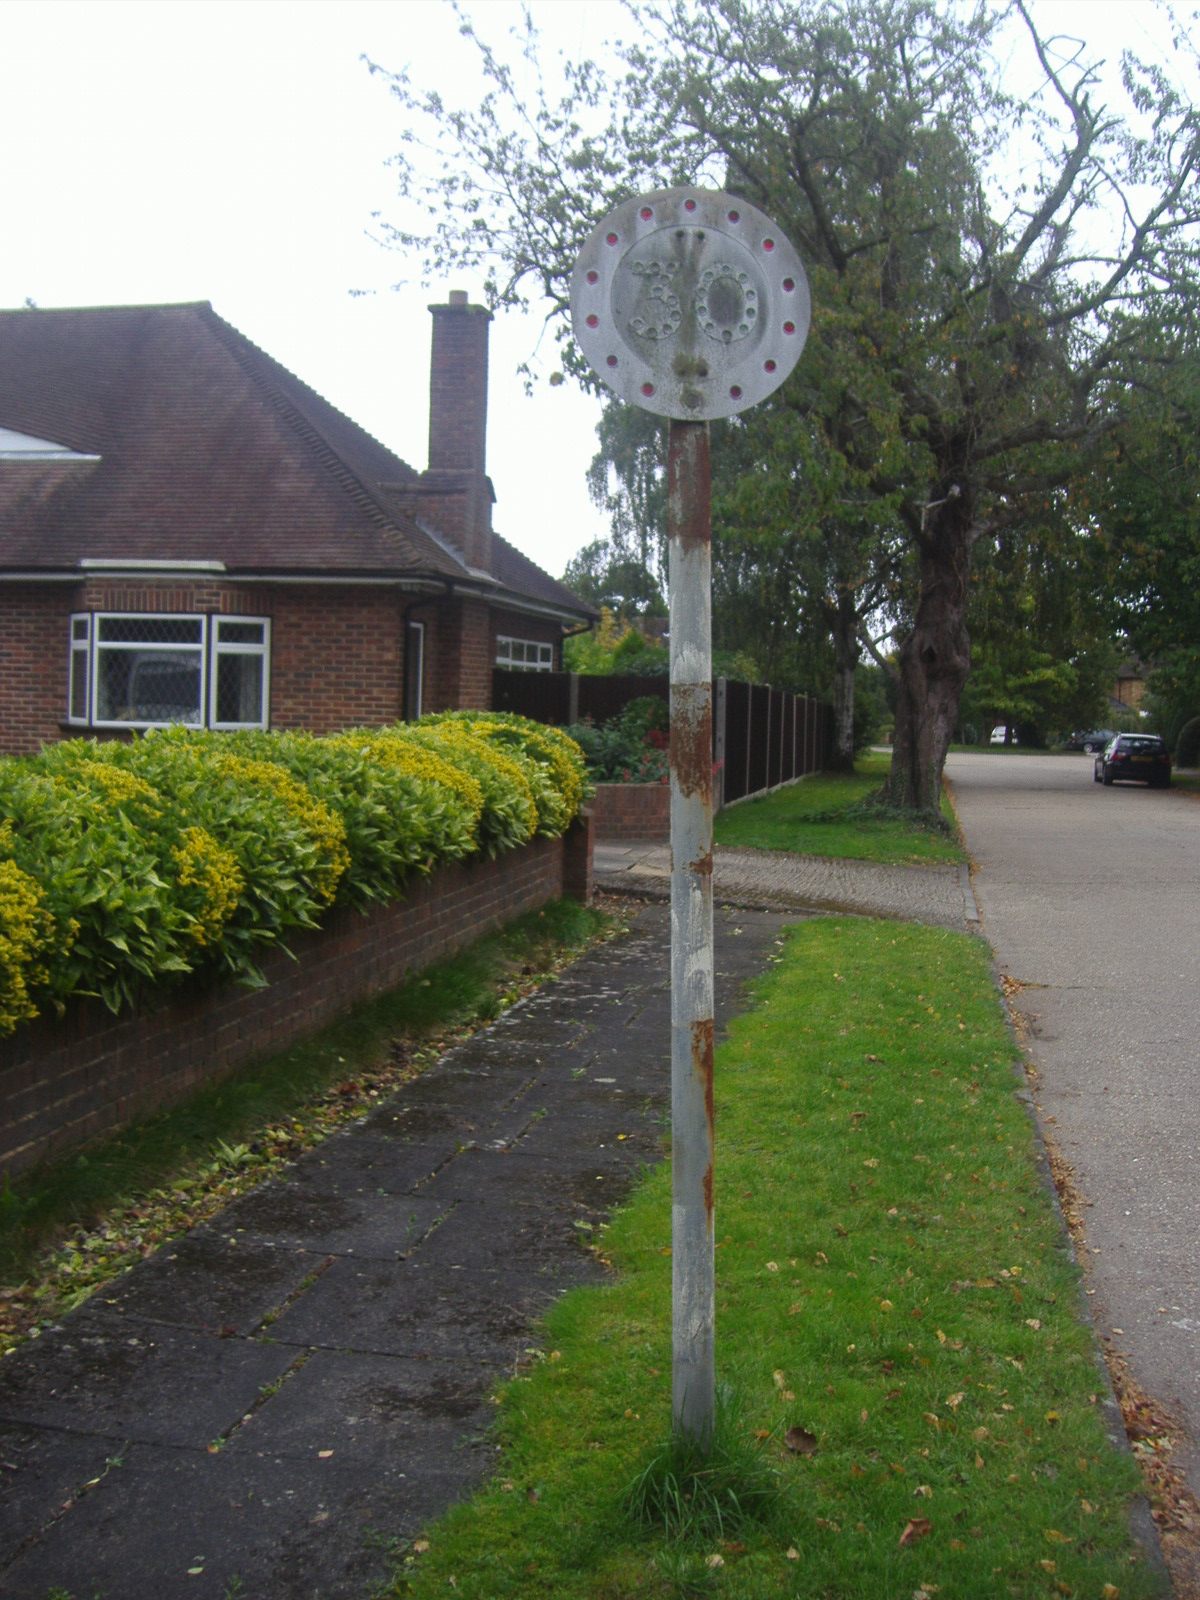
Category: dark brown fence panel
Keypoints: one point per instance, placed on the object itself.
(542, 696)
(603, 697)
(737, 734)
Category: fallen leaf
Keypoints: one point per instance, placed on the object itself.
(800, 1441)
(871, 1161)
(420, 1546)
(1053, 1536)
(955, 1400)
(978, 1459)
(934, 1422)
(924, 1491)
(885, 1305)
(733, 1547)
(915, 1528)
(1053, 1418)
(532, 1495)
(793, 1554)
(1110, 1592)
(1033, 1322)
(780, 1379)
(324, 1455)
(715, 1560)
(856, 1471)
(1048, 1566)
(980, 1435)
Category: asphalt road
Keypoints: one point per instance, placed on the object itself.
(1091, 896)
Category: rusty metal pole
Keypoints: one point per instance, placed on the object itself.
(693, 1313)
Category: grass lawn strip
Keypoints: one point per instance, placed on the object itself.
(891, 1279)
(826, 815)
(75, 1223)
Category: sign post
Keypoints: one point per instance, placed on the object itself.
(691, 304)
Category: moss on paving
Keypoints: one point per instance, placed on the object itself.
(829, 814)
(891, 1278)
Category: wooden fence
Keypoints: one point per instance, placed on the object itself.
(762, 737)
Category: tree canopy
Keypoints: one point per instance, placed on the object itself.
(996, 269)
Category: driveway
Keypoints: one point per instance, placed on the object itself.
(1091, 897)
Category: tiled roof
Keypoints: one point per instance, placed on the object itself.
(209, 451)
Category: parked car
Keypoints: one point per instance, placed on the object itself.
(1092, 742)
(1141, 757)
(999, 733)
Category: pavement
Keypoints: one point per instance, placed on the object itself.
(259, 1407)
(935, 894)
(1091, 899)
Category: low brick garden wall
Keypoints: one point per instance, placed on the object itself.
(63, 1082)
(632, 811)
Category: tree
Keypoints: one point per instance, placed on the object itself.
(977, 333)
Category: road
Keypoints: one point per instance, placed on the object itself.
(1091, 896)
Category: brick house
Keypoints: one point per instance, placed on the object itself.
(188, 533)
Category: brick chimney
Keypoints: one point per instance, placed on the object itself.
(455, 494)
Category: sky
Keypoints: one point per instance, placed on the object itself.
(235, 151)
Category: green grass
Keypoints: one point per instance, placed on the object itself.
(891, 1278)
(210, 1135)
(826, 815)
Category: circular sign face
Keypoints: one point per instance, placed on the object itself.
(690, 303)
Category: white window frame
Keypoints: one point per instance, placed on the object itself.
(145, 616)
(79, 647)
(419, 629)
(217, 649)
(539, 665)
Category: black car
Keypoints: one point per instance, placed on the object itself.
(1091, 742)
(1141, 757)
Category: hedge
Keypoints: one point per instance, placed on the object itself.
(127, 866)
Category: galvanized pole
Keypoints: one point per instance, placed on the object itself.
(693, 1314)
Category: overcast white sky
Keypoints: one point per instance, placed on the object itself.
(234, 150)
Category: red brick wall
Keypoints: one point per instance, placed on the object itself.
(632, 811)
(33, 663)
(464, 655)
(64, 1082)
(337, 657)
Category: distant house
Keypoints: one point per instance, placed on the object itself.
(189, 534)
(1129, 686)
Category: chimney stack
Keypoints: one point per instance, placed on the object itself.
(456, 494)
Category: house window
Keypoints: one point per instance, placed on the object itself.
(148, 670)
(524, 655)
(241, 654)
(153, 671)
(81, 659)
(414, 670)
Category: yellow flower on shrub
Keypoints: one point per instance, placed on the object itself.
(25, 931)
(203, 862)
(116, 784)
(324, 826)
(391, 748)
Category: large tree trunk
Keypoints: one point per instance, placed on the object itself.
(933, 662)
(844, 626)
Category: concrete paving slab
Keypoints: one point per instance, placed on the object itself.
(121, 1378)
(294, 1216)
(42, 1472)
(212, 1280)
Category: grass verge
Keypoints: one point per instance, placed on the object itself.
(898, 1330)
(829, 814)
(75, 1222)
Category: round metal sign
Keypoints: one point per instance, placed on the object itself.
(690, 303)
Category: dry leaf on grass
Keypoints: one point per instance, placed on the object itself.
(915, 1528)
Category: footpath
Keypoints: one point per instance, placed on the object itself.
(258, 1408)
(940, 895)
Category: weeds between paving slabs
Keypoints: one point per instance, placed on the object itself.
(76, 1222)
(912, 1404)
(832, 814)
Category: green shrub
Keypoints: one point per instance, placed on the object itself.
(124, 866)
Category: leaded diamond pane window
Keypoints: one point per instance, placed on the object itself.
(239, 672)
(149, 670)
